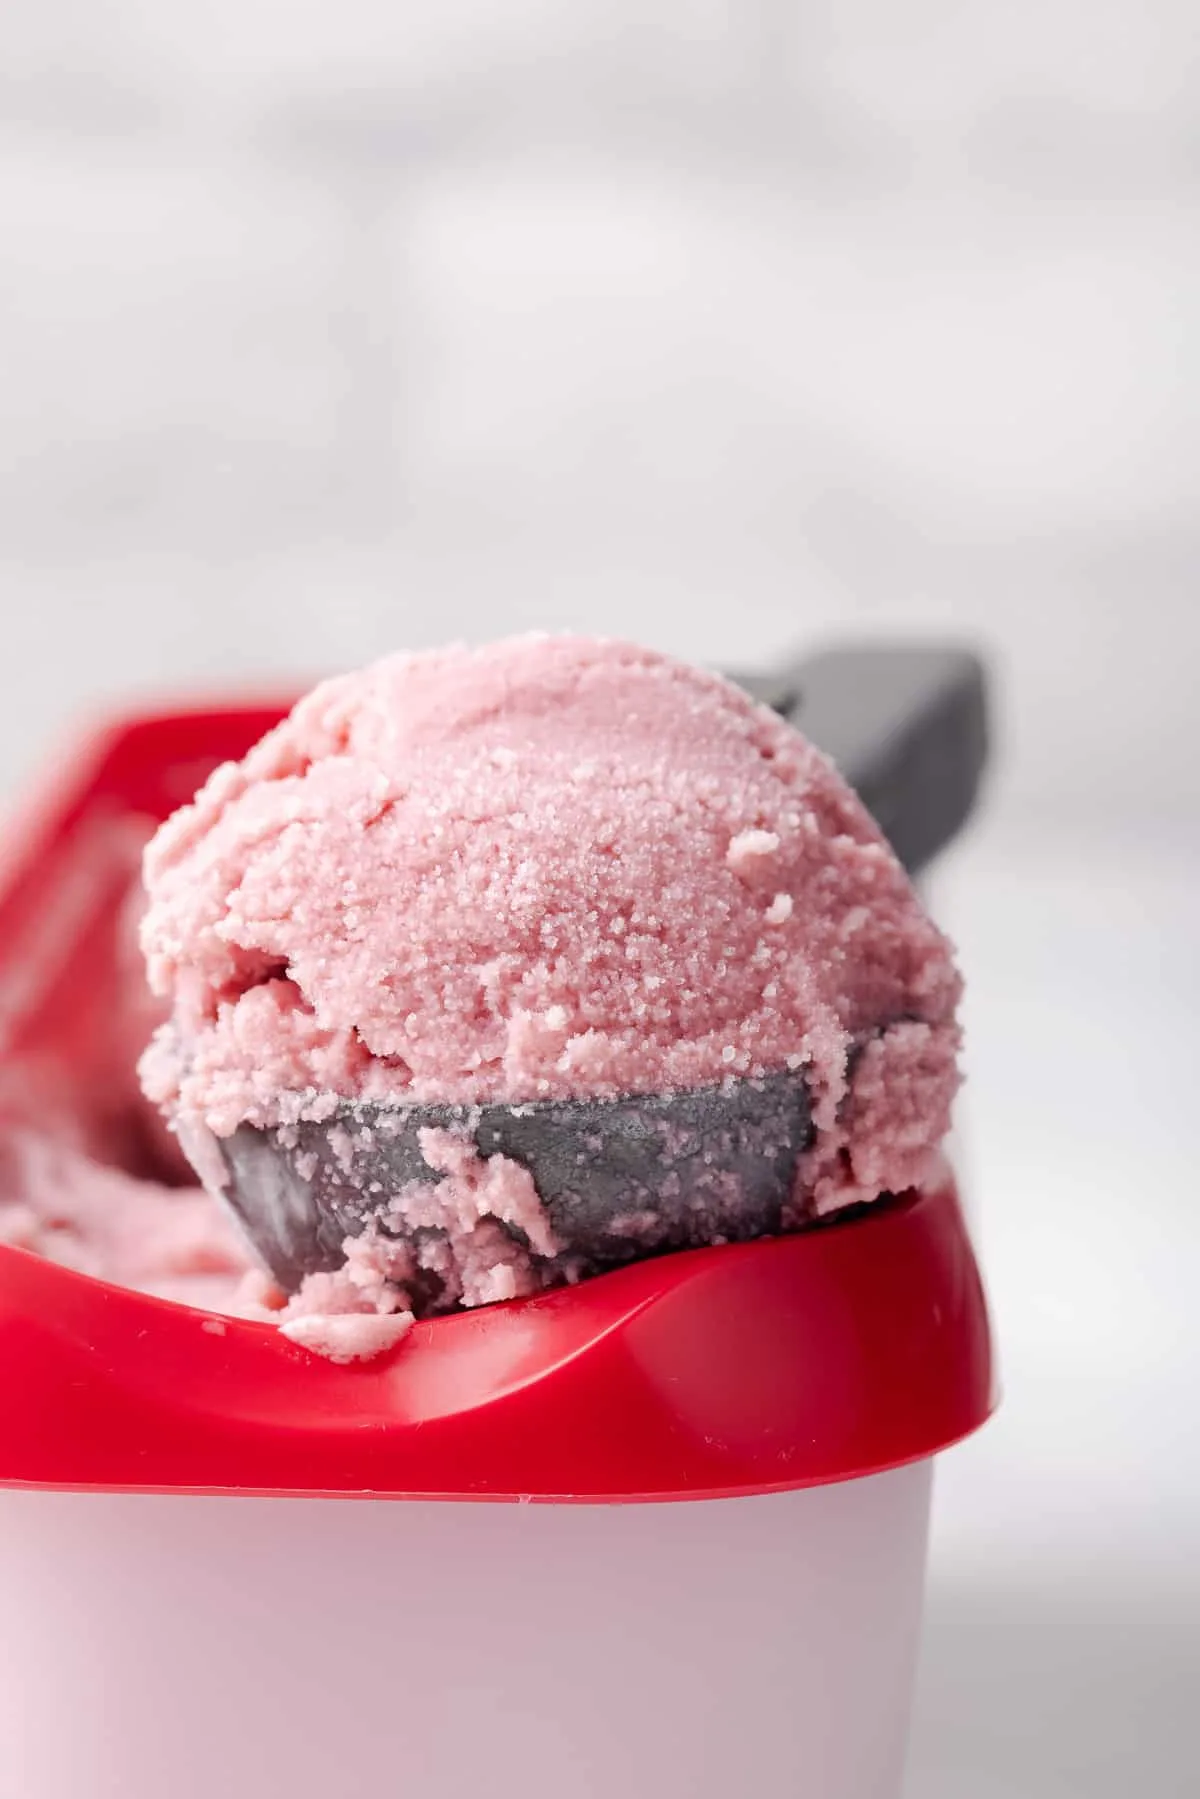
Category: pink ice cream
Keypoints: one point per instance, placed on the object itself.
(175, 1243)
(551, 867)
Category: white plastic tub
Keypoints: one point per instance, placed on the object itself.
(172, 1647)
(157, 1644)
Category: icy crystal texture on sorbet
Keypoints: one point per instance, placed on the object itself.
(548, 867)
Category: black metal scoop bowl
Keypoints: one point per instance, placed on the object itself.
(625, 1178)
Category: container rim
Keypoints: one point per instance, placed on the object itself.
(796, 1361)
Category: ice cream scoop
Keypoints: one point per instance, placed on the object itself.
(550, 1154)
(617, 1179)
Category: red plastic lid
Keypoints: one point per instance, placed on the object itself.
(786, 1363)
(737, 1370)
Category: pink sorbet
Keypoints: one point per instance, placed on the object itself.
(173, 1243)
(548, 867)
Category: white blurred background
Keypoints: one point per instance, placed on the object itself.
(332, 328)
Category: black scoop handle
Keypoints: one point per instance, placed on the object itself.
(907, 725)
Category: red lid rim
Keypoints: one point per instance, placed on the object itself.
(792, 1362)
(755, 1368)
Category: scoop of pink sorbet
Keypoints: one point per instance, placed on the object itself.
(551, 866)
